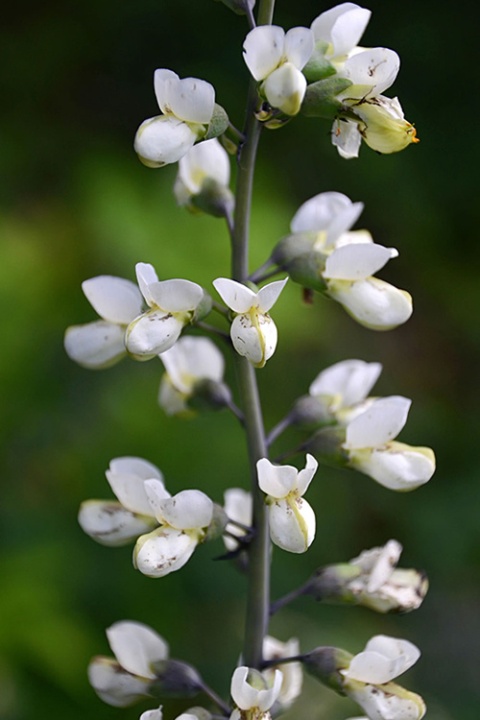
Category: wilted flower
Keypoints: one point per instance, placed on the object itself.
(187, 106)
(277, 58)
(292, 520)
(173, 304)
(253, 332)
(253, 694)
(373, 451)
(101, 344)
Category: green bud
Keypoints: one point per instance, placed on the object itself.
(326, 446)
(175, 678)
(214, 199)
(325, 663)
(309, 410)
(320, 97)
(203, 308)
(329, 584)
(318, 67)
(218, 124)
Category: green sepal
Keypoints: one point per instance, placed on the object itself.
(292, 246)
(318, 67)
(325, 664)
(320, 97)
(326, 445)
(203, 308)
(213, 199)
(218, 124)
(306, 270)
(174, 678)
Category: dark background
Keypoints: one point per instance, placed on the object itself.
(75, 203)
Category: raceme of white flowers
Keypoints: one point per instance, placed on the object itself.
(320, 71)
(187, 107)
(253, 332)
(292, 520)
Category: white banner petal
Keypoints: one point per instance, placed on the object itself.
(357, 261)
(269, 294)
(115, 299)
(136, 647)
(191, 100)
(299, 44)
(238, 297)
(176, 295)
(161, 78)
(373, 71)
(95, 345)
(276, 480)
(380, 424)
(187, 510)
(317, 213)
(263, 49)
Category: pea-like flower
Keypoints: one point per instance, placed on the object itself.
(203, 178)
(368, 680)
(291, 518)
(344, 385)
(193, 365)
(372, 449)
(276, 59)
(184, 520)
(187, 106)
(323, 253)
(115, 523)
(253, 332)
(101, 344)
(130, 676)
(253, 694)
(173, 304)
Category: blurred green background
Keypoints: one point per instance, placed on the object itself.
(75, 203)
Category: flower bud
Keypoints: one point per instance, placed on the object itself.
(175, 678)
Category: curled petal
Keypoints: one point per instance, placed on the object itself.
(238, 297)
(187, 510)
(96, 345)
(342, 26)
(269, 294)
(146, 276)
(137, 647)
(379, 424)
(249, 689)
(126, 478)
(276, 480)
(371, 72)
(163, 139)
(349, 380)
(263, 50)
(161, 79)
(115, 299)
(383, 659)
(305, 476)
(109, 523)
(372, 302)
(163, 551)
(153, 333)
(357, 261)
(292, 524)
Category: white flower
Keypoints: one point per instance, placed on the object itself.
(382, 125)
(173, 304)
(369, 675)
(340, 28)
(206, 167)
(189, 362)
(350, 259)
(100, 344)
(253, 332)
(372, 450)
(238, 505)
(277, 58)
(384, 587)
(292, 672)
(129, 677)
(344, 384)
(253, 694)
(187, 106)
(183, 520)
(118, 523)
(292, 520)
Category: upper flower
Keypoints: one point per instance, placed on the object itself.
(344, 384)
(102, 343)
(253, 694)
(277, 58)
(173, 304)
(372, 450)
(292, 520)
(253, 332)
(187, 106)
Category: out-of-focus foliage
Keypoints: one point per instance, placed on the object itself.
(75, 203)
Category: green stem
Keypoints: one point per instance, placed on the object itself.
(258, 600)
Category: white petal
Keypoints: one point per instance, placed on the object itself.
(386, 562)
(299, 44)
(398, 467)
(292, 524)
(152, 714)
(162, 140)
(285, 89)
(383, 659)
(371, 72)
(114, 685)
(238, 505)
(238, 297)
(269, 294)
(136, 647)
(153, 333)
(386, 705)
(126, 477)
(113, 298)
(176, 295)
(263, 49)
(192, 359)
(187, 510)
(346, 138)
(191, 100)
(379, 424)
(161, 79)
(110, 524)
(276, 480)
(343, 26)
(373, 303)
(317, 213)
(171, 400)
(351, 380)
(163, 551)
(245, 694)
(146, 276)
(292, 672)
(207, 159)
(354, 237)
(156, 493)
(95, 345)
(305, 476)
(357, 261)
(256, 342)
